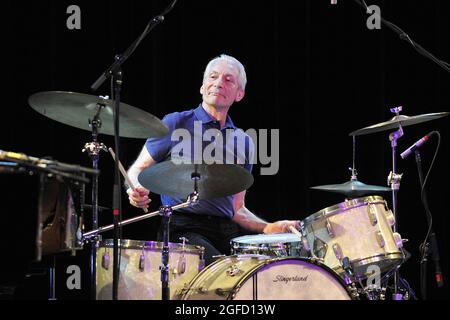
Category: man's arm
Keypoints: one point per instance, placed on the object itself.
(246, 219)
(139, 196)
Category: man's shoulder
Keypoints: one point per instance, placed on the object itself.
(178, 116)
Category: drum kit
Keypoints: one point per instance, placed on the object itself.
(336, 253)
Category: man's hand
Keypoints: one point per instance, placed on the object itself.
(139, 197)
(281, 226)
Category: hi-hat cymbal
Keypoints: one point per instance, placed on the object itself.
(399, 120)
(216, 180)
(352, 188)
(78, 109)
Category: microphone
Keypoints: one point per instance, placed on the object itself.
(416, 145)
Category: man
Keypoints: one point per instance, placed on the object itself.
(210, 223)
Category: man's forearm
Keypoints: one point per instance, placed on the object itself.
(133, 174)
(246, 219)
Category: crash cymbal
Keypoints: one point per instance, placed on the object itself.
(352, 188)
(216, 180)
(399, 120)
(78, 109)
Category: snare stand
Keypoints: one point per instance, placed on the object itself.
(394, 181)
(165, 212)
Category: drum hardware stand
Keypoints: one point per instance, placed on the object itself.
(165, 212)
(94, 149)
(349, 277)
(394, 181)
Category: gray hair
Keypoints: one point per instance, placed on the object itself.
(242, 78)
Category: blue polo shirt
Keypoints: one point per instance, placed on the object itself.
(235, 145)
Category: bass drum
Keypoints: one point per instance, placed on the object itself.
(258, 277)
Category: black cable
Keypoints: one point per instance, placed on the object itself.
(423, 247)
(427, 210)
(404, 36)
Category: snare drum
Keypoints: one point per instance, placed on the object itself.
(360, 229)
(140, 277)
(277, 244)
(258, 277)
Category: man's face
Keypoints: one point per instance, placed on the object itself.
(221, 85)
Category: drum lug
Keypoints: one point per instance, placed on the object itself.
(181, 265)
(223, 292)
(105, 260)
(233, 270)
(372, 214)
(390, 218)
(330, 229)
(398, 240)
(337, 251)
(320, 248)
(305, 242)
(386, 207)
(380, 239)
(142, 262)
(201, 264)
(202, 290)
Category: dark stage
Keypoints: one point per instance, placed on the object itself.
(315, 71)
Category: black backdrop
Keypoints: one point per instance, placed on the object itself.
(315, 72)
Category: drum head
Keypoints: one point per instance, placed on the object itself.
(267, 238)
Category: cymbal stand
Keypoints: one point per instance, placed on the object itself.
(93, 149)
(354, 176)
(394, 181)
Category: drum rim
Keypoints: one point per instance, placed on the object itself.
(342, 207)
(266, 260)
(150, 245)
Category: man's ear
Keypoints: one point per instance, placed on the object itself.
(240, 95)
(201, 90)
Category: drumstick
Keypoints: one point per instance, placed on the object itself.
(124, 173)
(293, 230)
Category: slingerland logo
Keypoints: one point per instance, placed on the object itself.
(286, 280)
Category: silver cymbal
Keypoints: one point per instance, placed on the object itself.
(399, 120)
(216, 180)
(78, 109)
(352, 188)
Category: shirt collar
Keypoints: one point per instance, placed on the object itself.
(205, 117)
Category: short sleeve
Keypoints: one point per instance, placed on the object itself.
(250, 153)
(159, 148)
